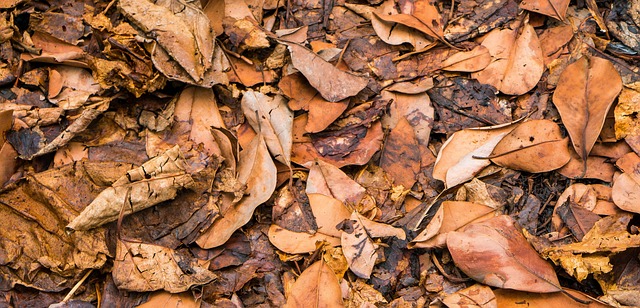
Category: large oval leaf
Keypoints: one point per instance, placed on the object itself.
(317, 286)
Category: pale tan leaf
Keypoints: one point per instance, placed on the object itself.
(333, 84)
(329, 212)
(468, 61)
(476, 295)
(517, 61)
(514, 299)
(553, 8)
(377, 229)
(272, 118)
(495, 253)
(317, 286)
(584, 94)
(626, 192)
(70, 87)
(327, 179)
(257, 170)
(298, 242)
(167, 300)
(143, 267)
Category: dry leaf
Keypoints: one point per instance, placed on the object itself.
(333, 84)
(476, 295)
(168, 300)
(143, 267)
(469, 61)
(317, 286)
(157, 180)
(198, 107)
(451, 216)
(329, 180)
(626, 192)
(534, 146)
(495, 253)
(272, 118)
(421, 15)
(257, 170)
(517, 61)
(298, 242)
(517, 299)
(400, 157)
(553, 8)
(584, 94)
(456, 163)
(7, 154)
(597, 167)
(626, 114)
(329, 212)
(395, 33)
(70, 87)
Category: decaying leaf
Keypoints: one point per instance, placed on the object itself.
(257, 170)
(70, 87)
(298, 242)
(272, 118)
(7, 154)
(358, 247)
(584, 94)
(533, 146)
(317, 286)
(143, 267)
(451, 216)
(400, 157)
(333, 84)
(494, 252)
(626, 113)
(517, 61)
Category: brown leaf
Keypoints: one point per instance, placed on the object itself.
(358, 247)
(70, 87)
(626, 192)
(517, 61)
(8, 155)
(168, 300)
(329, 212)
(143, 267)
(421, 15)
(515, 299)
(395, 33)
(327, 179)
(597, 167)
(317, 286)
(198, 106)
(578, 219)
(400, 157)
(451, 216)
(298, 242)
(476, 295)
(584, 94)
(257, 170)
(494, 252)
(553, 8)
(626, 114)
(468, 61)
(333, 84)
(534, 146)
(272, 118)
(157, 180)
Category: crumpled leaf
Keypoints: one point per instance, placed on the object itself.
(626, 114)
(534, 146)
(451, 216)
(584, 94)
(143, 267)
(317, 286)
(495, 253)
(592, 255)
(456, 163)
(553, 8)
(333, 84)
(394, 33)
(476, 295)
(421, 15)
(272, 118)
(363, 294)
(70, 87)
(257, 170)
(517, 61)
(8, 155)
(157, 180)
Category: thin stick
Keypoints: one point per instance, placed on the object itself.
(75, 288)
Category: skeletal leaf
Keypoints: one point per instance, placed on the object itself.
(517, 61)
(257, 170)
(157, 180)
(495, 253)
(272, 118)
(333, 84)
(317, 286)
(586, 89)
(143, 267)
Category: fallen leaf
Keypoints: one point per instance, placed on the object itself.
(70, 87)
(533, 146)
(400, 157)
(327, 179)
(626, 114)
(598, 83)
(626, 192)
(516, 299)
(168, 300)
(272, 118)
(157, 180)
(7, 154)
(596, 167)
(495, 253)
(298, 242)
(333, 84)
(317, 286)
(421, 15)
(553, 8)
(468, 61)
(476, 295)
(358, 247)
(198, 106)
(257, 170)
(456, 163)
(143, 267)
(554, 41)
(578, 219)
(451, 216)
(363, 294)
(517, 61)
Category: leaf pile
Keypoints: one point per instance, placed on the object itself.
(224, 153)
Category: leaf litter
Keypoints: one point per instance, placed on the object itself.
(269, 153)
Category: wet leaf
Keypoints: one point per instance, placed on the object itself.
(317, 286)
(272, 118)
(494, 252)
(333, 84)
(517, 61)
(143, 267)
(583, 114)
(534, 146)
(257, 170)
